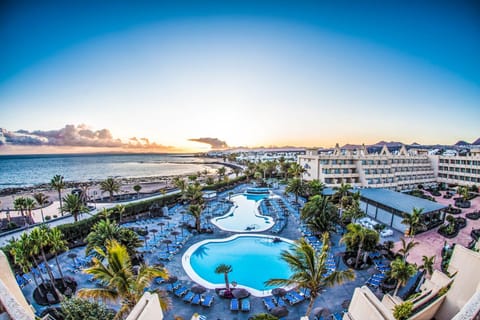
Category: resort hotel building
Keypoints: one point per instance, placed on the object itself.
(401, 170)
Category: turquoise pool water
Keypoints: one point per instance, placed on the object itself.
(244, 215)
(254, 259)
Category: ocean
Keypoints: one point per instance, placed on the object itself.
(29, 170)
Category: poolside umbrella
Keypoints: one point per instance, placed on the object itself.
(154, 231)
(198, 289)
(167, 242)
(146, 238)
(326, 312)
(240, 293)
(161, 224)
(72, 256)
(317, 311)
(175, 234)
(171, 279)
(279, 292)
(279, 312)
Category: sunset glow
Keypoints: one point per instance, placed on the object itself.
(249, 75)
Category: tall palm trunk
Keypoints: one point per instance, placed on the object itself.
(60, 199)
(226, 281)
(38, 268)
(36, 283)
(310, 305)
(197, 224)
(50, 274)
(359, 252)
(60, 271)
(396, 289)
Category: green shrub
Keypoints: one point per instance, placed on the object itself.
(403, 311)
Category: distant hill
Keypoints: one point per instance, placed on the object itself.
(461, 143)
(476, 142)
(388, 144)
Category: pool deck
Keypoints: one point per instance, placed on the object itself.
(331, 298)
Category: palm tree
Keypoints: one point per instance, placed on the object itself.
(74, 205)
(314, 187)
(106, 230)
(120, 209)
(221, 172)
(40, 241)
(225, 269)
(296, 170)
(19, 204)
(402, 271)
(29, 205)
(57, 245)
(21, 256)
(309, 269)
(296, 187)
(463, 191)
(111, 186)
(406, 248)
(427, 265)
(58, 184)
(319, 214)
(342, 195)
(181, 184)
(412, 220)
(194, 194)
(41, 200)
(195, 210)
(237, 171)
(137, 189)
(31, 249)
(118, 279)
(356, 236)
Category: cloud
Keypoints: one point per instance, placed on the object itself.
(74, 136)
(213, 142)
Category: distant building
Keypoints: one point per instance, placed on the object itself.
(401, 170)
(457, 169)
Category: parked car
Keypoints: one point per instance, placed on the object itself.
(386, 233)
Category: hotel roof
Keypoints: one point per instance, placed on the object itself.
(399, 201)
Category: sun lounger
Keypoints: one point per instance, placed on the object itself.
(297, 296)
(207, 300)
(197, 299)
(269, 303)
(173, 286)
(180, 291)
(305, 292)
(188, 297)
(234, 304)
(245, 305)
(337, 316)
(281, 302)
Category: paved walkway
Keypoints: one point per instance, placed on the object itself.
(431, 242)
(53, 209)
(330, 298)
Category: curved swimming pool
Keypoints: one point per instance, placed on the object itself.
(244, 216)
(254, 260)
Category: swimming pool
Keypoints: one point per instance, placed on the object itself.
(254, 260)
(244, 215)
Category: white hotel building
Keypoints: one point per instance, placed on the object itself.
(401, 170)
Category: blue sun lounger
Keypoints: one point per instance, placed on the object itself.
(188, 297)
(173, 286)
(269, 303)
(197, 299)
(245, 305)
(180, 291)
(234, 304)
(337, 316)
(207, 300)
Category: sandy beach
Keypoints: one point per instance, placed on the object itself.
(149, 185)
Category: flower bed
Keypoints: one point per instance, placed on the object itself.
(473, 215)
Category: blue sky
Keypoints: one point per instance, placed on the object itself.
(245, 72)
